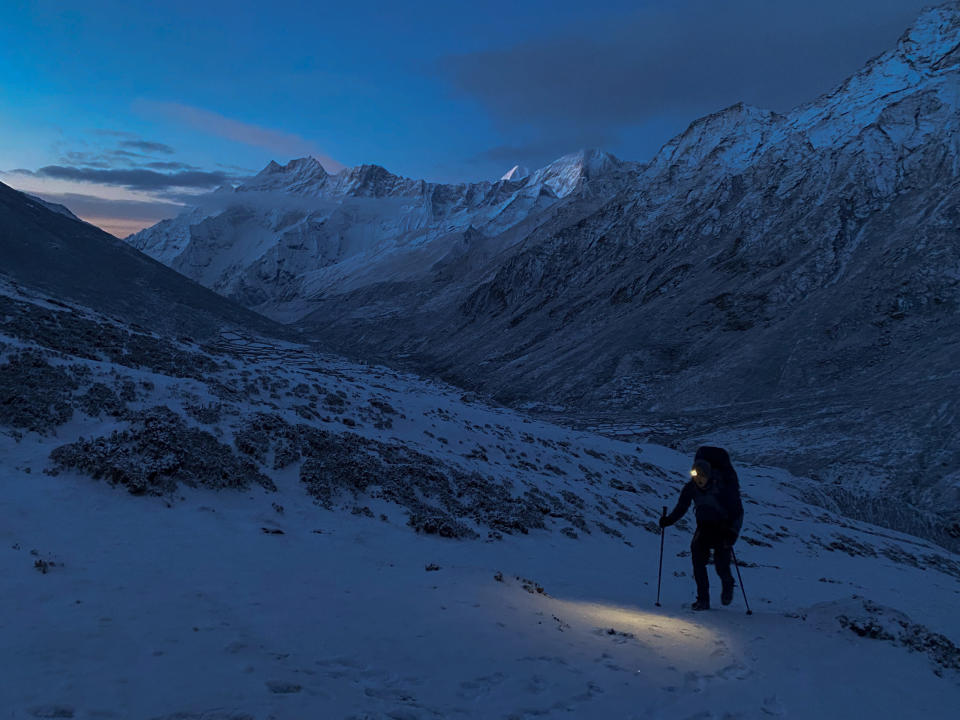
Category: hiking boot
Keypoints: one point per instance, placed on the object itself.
(726, 596)
(700, 605)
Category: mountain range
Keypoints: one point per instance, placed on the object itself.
(788, 282)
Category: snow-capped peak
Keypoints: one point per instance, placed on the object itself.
(517, 172)
(927, 55)
(730, 136)
(934, 39)
(730, 139)
(282, 177)
(563, 176)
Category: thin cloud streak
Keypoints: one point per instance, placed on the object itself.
(146, 146)
(285, 144)
(114, 133)
(170, 165)
(117, 217)
(135, 178)
(539, 152)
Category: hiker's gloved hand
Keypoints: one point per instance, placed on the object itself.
(664, 522)
(731, 537)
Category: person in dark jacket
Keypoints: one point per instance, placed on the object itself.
(714, 490)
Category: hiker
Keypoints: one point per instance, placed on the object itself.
(714, 490)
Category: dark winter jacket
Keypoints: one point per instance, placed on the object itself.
(717, 505)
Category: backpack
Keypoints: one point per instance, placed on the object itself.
(728, 484)
(718, 459)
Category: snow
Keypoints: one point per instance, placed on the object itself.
(155, 610)
(516, 173)
(565, 175)
(191, 605)
(293, 176)
(294, 232)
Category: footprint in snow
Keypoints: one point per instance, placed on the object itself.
(694, 682)
(734, 671)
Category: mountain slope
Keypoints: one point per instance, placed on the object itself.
(306, 537)
(44, 248)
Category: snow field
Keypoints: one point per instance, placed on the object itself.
(228, 604)
(153, 610)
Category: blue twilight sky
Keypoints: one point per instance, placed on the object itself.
(121, 110)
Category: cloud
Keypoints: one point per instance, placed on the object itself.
(134, 178)
(87, 205)
(283, 143)
(114, 133)
(540, 152)
(679, 59)
(131, 151)
(170, 165)
(236, 169)
(94, 160)
(126, 154)
(148, 147)
(118, 217)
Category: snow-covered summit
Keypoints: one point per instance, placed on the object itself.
(296, 174)
(516, 173)
(729, 137)
(934, 39)
(926, 59)
(564, 175)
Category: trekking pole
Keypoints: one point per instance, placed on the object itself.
(660, 571)
(742, 589)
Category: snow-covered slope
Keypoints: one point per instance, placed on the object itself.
(313, 538)
(517, 172)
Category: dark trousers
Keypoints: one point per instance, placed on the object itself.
(704, 540)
